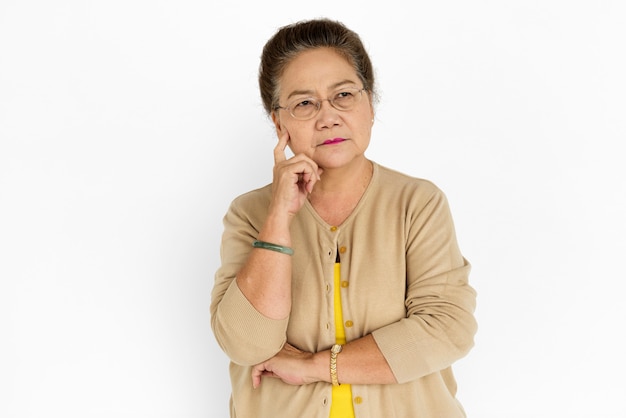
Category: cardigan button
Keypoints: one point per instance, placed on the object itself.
(333, 228)
(349, 323)
(342, 250)
(345, 283)
(358, 400)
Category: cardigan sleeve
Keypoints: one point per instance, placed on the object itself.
(244, 334)
(439, 326)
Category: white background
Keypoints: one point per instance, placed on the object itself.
(127, 127)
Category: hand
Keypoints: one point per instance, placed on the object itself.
(290, 365)
(294, 178)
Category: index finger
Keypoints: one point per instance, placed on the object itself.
(279, 150)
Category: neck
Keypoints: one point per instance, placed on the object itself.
(347, 179)
(340, 190)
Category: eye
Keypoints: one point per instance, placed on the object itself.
(304, 103)
(343, 95)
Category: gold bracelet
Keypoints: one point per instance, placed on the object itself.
(334, 351)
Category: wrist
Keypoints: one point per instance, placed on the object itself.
(276, 230)
(320, 366)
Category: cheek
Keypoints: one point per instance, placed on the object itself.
(299, 146)
(364, 130)
(300, 141)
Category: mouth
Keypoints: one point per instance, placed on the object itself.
(333, 141)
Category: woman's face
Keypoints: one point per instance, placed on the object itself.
(332, 138)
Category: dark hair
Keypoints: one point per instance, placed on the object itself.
(298, 37)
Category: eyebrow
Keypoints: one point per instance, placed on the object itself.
(310, 92)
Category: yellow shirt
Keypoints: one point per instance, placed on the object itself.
(341, 404)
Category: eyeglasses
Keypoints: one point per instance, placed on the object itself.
(307, 108)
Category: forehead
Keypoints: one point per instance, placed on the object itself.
(316, 70)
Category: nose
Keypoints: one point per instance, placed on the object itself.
(327, 116)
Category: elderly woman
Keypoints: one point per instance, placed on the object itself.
(342, 291)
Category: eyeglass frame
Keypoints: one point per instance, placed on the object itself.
(319, 101)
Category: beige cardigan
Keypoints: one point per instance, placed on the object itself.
(406, 284)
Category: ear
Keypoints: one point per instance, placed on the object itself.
(277, 124)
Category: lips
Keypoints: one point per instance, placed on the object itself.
(333, 141)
